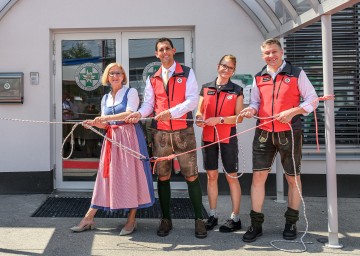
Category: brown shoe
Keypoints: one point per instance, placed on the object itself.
(164, 227)
(200, 229)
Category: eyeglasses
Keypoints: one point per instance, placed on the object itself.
(112, 74)
(226, 67)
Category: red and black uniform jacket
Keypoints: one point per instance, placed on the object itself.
(219, 103)
(172, 96)
(278, 95)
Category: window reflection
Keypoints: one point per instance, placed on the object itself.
(82, 64)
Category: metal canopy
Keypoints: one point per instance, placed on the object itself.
(5, 5)
(277, 18)
(274, 18)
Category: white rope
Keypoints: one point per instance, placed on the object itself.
(140, 156)
(72, 143)
(239, 145)
(34, 121)
(301, 241)
(71, 135)
(241, 148)
(126, 149)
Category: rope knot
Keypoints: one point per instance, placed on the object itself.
(327, 97)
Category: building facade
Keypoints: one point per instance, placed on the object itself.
(59, 50)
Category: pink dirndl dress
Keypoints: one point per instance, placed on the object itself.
(128, 180)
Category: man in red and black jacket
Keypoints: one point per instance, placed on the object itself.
(172, 93)
(275, 95)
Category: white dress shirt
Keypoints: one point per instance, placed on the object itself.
(306, 89)
(191, 96)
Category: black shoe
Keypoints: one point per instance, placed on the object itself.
(164, 227)
(290, 232)
(200, 229)
(252, 233)
(211, 222)
(230, 226)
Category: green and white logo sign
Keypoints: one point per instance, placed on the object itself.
(88, 76)
(150, 69)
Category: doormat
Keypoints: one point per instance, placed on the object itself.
(72, 207)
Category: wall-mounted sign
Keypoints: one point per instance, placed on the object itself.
(150, 69)
(88, 76)
(12, 87)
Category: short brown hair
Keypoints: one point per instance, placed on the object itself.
(231, 57)
(271, 41)
(161, 40)
(105, 76)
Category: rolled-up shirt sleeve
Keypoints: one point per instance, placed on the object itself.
(308, 94)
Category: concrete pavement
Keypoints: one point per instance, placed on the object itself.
(21, 234)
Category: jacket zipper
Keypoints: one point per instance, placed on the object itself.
(216, 107)
(277, 94)
(272, 105)
(172, 98)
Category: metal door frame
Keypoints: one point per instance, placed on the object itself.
(122, 56)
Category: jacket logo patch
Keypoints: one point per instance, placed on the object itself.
(179, 80)
(211, 93)
(229, 97)
(287, 80)
(266, 79)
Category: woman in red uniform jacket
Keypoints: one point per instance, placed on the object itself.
(220, 103)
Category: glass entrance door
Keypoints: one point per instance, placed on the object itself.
(80, 60)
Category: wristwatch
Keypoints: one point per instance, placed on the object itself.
(221, 120)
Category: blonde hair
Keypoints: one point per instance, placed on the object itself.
(105, 76)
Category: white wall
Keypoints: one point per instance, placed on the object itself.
(24, 47)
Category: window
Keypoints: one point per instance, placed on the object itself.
(303, 49)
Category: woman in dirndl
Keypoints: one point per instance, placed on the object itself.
(124, 179)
